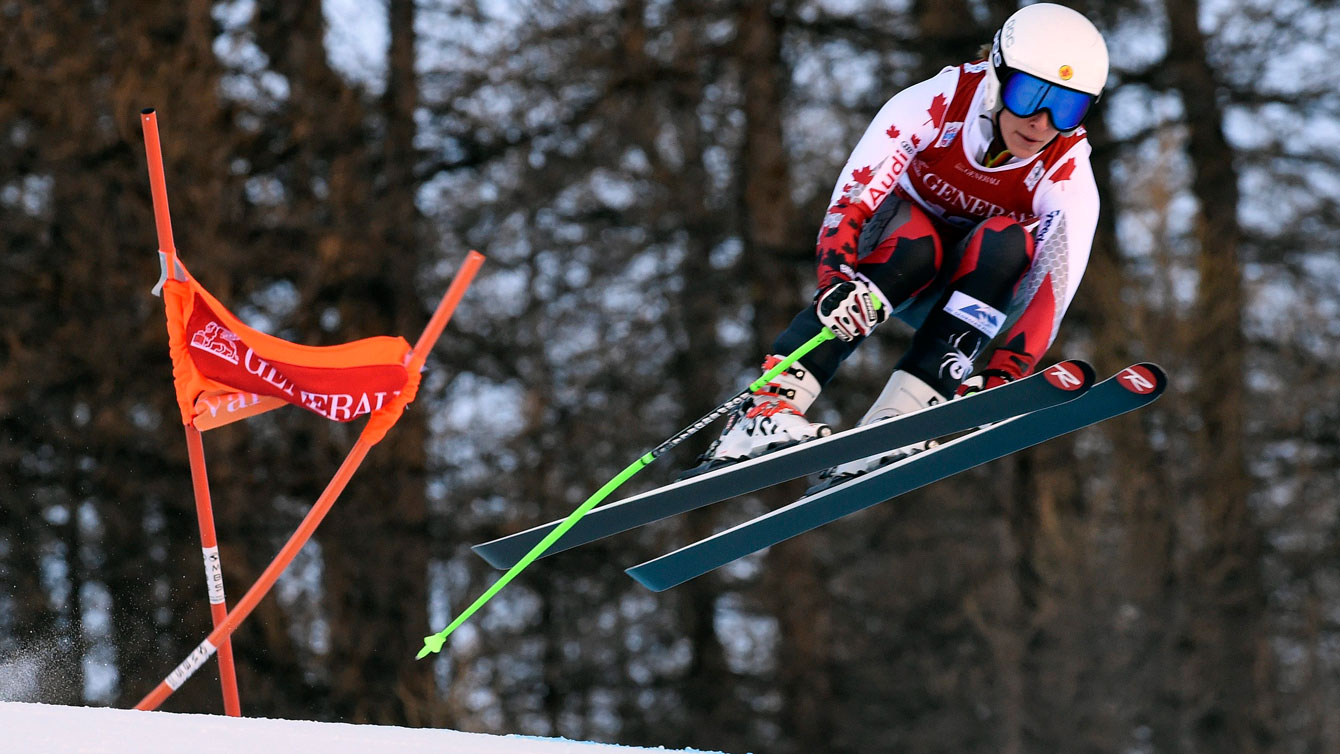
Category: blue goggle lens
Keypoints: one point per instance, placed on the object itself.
(1026, 95)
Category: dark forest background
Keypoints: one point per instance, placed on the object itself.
(647, 178)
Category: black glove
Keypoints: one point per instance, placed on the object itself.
(850, 309)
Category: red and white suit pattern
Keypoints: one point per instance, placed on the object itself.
(926, 146)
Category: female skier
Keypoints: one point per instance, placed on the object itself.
(967, 210)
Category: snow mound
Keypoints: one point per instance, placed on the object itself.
(52, 729)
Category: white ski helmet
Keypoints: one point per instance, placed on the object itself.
(1054, 43)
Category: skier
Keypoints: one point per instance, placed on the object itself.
(966, 210)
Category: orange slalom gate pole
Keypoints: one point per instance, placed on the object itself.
(204, 511)
(263, 584)
(319, 510)
(153, 150)
(455, 292)
(209, 547)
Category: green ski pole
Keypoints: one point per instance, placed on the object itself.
(432, 644)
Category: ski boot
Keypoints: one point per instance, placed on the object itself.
(902, 394)
(771, 419)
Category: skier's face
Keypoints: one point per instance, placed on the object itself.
(1025, 137)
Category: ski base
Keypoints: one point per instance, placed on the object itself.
(1134, 387)
(1055, 385)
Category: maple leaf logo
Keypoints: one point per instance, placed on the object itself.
(1063, 173)
(863, 176)
(915, 141)
(937, 110)
(893, 132)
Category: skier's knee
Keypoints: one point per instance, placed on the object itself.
(998, 254)
(910, 266)
(1007, 248)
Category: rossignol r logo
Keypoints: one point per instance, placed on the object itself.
(1138, 380)
(1063, 377)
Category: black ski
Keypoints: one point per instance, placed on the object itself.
(1134, 387)
(1055, 385)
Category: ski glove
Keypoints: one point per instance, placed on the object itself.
(850, 309)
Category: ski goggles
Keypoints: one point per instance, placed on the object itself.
(1026, 95)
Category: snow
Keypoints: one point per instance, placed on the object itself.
(52, 729)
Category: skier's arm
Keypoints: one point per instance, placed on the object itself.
(907, 123)
(1067, 204)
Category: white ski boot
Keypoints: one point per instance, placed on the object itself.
(771, 419)
(902, 394)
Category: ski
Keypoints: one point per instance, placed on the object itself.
(1055, 385)
(1132, 388)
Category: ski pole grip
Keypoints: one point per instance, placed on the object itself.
(824, 335)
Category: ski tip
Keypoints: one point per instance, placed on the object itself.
(1144, 379)
(1074, 375)
(1088, 369)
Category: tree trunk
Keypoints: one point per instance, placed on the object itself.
(1223, 640)
(773, 253)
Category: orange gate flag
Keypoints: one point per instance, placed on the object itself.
(224, 370)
